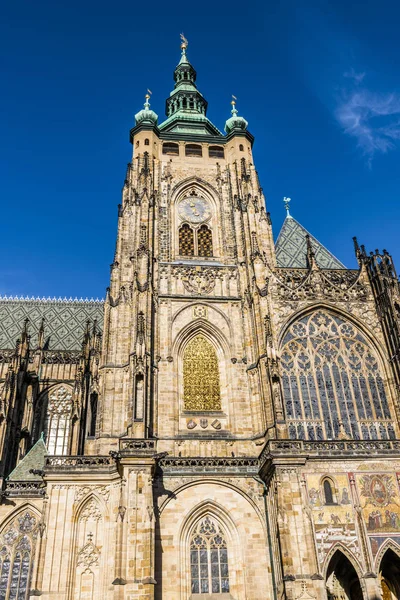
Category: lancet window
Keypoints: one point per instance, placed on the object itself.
(204, 241)
(16, 552)
(332, 381)
(201, 384)
(209, 559)
(186, 240)
(58, 421)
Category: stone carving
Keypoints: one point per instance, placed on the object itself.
(338, 284)
(203, 423)
(83, 491)
(88, 555)
(191, 424)
(216, 424)
(91, 512)
(200, 312)
(199, 282)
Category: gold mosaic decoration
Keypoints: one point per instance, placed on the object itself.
(201, 389)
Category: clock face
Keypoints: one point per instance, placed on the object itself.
(194, 209)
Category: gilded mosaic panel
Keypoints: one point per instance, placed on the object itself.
(332, 522)
(380, 502)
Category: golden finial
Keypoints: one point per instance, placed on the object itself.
(184, 43)
(148, 94)
(233, 103)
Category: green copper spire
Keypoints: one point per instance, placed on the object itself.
(146, 115)
(235, 122)
(186, 107)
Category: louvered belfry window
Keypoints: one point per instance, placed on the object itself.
(204, 241)
(186, 240)
(332, 381)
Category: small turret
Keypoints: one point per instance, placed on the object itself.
(146, 116)
(235, 123)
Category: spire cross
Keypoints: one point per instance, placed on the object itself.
(286, 202)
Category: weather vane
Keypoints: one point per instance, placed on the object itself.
(286, 202)
(184, 42)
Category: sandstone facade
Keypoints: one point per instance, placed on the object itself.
(232, 431)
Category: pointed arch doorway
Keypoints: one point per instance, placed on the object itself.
(389, 575)
(342, 582)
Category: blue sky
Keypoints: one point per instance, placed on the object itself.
(317, 81)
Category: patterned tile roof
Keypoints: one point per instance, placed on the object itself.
(291, 248)
(34, 459)
(65, 320)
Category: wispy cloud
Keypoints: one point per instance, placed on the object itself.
(373, 119)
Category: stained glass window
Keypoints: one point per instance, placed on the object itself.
(16, 557)
(332, 382)
(201, 387)
(186, 240)
(209, 559)
(58, 421)
(204, 241)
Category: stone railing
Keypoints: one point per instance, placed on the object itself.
(134, 447)
(63, 357)
(24, 489)
(79, 463)
(228, 465)
(333, 448)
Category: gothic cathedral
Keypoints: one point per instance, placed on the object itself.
(225, 424)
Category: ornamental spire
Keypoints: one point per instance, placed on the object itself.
(286, 202)
(235, 122)
(146, 115)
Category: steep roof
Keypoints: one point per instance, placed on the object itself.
(34, 459)
(64, 326)
(291, 248)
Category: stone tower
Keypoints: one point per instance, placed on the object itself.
(225, 424)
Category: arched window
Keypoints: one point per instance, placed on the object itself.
(204, 241)
(241, 147)
(58, 421)
(332, 381)
(16, 557)
(147, 142)
(209, 559)
(170, 148)
(328, 492)
(186, 240)
(193, 149)
(201, 387)
(92, 414)
(216, 152)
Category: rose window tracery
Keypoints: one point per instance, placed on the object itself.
(209, 559)
(201, 385)
(332, 381)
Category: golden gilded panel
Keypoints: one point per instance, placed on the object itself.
(201, 387)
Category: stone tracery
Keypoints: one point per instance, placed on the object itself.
(332, 381)
(209, 559)
(16, 556)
